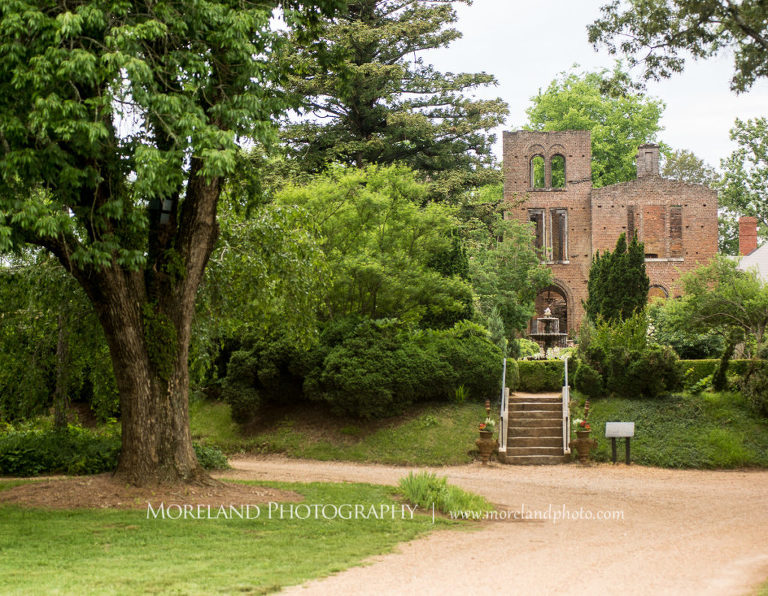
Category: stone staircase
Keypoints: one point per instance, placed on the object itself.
(535, 434)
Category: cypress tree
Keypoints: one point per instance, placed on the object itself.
(618, 284)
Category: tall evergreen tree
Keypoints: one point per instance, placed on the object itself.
(379, 102)
(618, 284)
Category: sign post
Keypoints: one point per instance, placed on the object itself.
(617, 430)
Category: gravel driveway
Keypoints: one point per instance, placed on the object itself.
(683, 532)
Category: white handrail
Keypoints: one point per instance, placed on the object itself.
(503, 416)
(566, 411)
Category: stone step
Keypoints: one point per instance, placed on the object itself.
(535, 415)
(536, 400)
(523, 422)
(534, 450)
(535, 460)
(550, 441)
(534, 431)
(526, 406)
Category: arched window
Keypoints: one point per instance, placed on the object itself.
(656, 291)
(557, 166)
(537, 172)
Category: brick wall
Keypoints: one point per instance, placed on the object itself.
(676, 221)
(575, 146)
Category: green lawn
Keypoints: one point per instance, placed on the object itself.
(123, 552)
(710, 430)
(430, 435)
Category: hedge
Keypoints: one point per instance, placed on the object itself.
(74, 450)
(706, 367)
(547, 375)
(540, 375)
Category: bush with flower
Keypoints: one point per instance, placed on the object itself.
(581, 425)
(488, 426)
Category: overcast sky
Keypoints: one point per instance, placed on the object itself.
(526, 44)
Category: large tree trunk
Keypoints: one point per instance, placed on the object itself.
(150, 363)
(147, 319)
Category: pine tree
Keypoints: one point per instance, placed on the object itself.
(618, 284)
(378, 102)
(496, 330)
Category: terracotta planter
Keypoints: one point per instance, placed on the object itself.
(485, 446)
(583, 445)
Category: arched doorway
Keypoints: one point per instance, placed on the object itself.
(555, 299)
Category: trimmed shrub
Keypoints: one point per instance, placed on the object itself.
(541, 375)
(263, 370)
(648, 373)
(695, 370)
(513, 375)
(587, 380)
(652, 373)
(472, 360)
(365, 368)
(371, 374)
(627, 363)
(755, 385)
(381, 367)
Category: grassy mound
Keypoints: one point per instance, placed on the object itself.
(426, 435)
(710, 430)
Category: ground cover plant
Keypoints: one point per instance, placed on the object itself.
(430, 434)
(709, 430)
(123, 552)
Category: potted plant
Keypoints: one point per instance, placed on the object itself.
(583, 444)
(486, 443)
(582, 428)
(487, 428)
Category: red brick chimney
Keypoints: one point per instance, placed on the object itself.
(647, 160)
(747, 235)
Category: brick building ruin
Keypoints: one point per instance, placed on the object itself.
(548, 182)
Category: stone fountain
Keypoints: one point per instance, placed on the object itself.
(548, 332)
